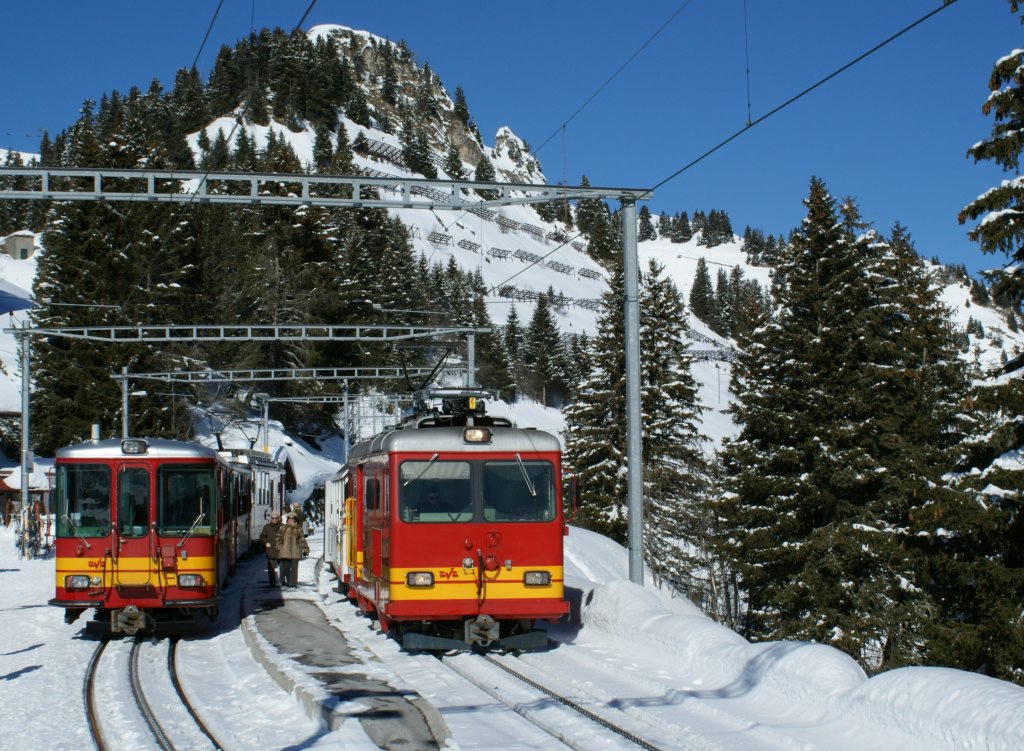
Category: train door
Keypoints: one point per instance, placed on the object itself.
(223, 517)
(371, 519)
(261, 498)
(334, 509)
(383, 564)
(133, 519)
(352, 554)
(243, 533)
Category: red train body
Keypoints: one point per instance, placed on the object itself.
(149, 530)
(477, 564)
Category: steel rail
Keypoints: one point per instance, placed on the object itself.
(172, 668)
(88, 693)
(140, 699)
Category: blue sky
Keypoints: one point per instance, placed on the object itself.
(892, 131)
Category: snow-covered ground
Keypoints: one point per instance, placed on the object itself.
(652, 658)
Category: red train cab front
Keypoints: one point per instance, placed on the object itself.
(462, 534)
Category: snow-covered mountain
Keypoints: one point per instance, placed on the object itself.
(516, 252)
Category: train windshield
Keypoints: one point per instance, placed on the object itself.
(435, 491)
(519, 490)
(83, 500)
(509, 490)
(184, 493)
(133, 501)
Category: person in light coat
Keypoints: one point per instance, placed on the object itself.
(291, 547)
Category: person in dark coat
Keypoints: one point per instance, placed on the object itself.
(269, 537)
(291, 547)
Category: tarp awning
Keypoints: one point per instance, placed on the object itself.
(13, 297)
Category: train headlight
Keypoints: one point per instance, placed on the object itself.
(76, 581)
(419, 579)
(537, 578)
(476, 435)
(134, 446)
(190, 580)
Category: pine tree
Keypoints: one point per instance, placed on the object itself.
(847, 401)
(461, 109)
(495, 369)
(541, 352)
(646, 231)
(590, 211)
(664, 225)
(683, 231)
(982, 587)
(675, 473)
(595, 435)
(485, 174)
(415, 148)
(702, 294)
(998, 231)
(722, 323)
(389, 76)
(514, 340)
(675, 470)
(698, 223)
(753, 245)
(453, 163)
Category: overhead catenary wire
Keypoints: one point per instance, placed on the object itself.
(746, 57)
(612, 77)
(795, 98)
(750, 124)
(208, 30)
(239, 118)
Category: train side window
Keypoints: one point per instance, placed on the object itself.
(83, 500)
(184, 495)
(133, 501)
(435, 491)
(519, 491)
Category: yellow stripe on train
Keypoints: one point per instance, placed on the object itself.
(459, 583)
(134, 571)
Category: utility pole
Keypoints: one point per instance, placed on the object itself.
(634, 466)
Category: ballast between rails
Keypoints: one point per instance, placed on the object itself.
(574, 706)
(527, 708)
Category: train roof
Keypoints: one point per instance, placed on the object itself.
(111, 448)
(251, 457)
(452, 438)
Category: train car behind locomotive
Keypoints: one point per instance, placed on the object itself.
(148, 532)
(450, 529)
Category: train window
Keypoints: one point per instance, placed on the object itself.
(133, 502)
(435, 491)
(184, 504)
(519, 491)
(372, 493)
(83, 500)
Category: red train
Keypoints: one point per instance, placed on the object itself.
(449, 530)
(149, 530)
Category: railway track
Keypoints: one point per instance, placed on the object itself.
(123, 683)
(557, 710)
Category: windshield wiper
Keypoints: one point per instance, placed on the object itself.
(526, 477)
(420, 473)
(74, 529)
(202, 515)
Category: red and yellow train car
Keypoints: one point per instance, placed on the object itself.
(450, 530)
(148, 532)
